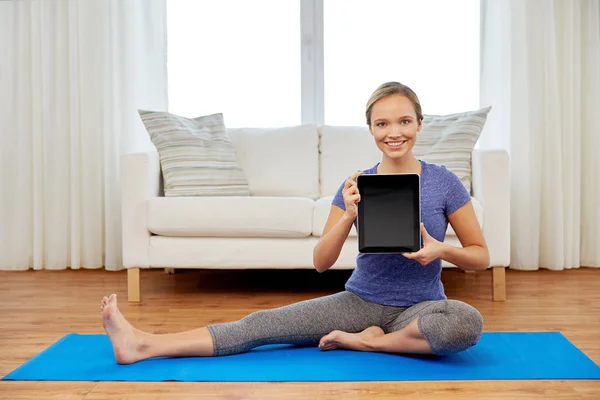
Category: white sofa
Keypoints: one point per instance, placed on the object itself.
(292, 173)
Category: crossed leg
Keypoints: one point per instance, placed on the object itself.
(406, 340)
(432, 327)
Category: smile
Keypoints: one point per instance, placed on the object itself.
(395, 145)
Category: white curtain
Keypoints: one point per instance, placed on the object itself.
(72, 76)
(541, 73)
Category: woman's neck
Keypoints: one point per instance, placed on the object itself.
(405, 165)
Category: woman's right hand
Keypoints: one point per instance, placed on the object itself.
(351, 196)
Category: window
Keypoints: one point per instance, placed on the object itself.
(432, 46)
(237, 57)
(277, 63)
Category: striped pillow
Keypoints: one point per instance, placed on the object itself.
(450, 140)
(196, 156)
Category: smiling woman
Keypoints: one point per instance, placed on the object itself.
(396, 120)
(391, 303)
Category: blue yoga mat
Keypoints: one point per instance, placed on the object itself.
(498, 355)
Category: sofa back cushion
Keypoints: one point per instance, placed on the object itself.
(279, 161)
(343, 150)
(450, 140)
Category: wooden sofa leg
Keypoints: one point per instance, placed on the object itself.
(499, 283)
(133, 284)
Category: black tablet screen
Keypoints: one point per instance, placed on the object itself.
(389, 213)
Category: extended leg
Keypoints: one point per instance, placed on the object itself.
(300, 323)
(131, 345)
(303, 323)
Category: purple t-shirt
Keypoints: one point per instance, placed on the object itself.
(392, 279)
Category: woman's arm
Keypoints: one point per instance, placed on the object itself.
(334, 235)
(474, 254)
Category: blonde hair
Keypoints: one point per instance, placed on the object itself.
(391, 88)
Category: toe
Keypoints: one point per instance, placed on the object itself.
(326, 346)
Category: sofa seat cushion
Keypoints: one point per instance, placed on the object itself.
(235, 216)
(323, 205)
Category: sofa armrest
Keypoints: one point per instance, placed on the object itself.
(141, 180)
(491, 186)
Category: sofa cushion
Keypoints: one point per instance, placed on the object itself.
(343, 150)
(230, 216)
(246, 253)
(196, 156)
(279, 161)
(323, 205)
(450, 140)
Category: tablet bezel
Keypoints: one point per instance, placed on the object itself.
(413, 180)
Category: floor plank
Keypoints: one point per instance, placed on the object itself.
(39, 307)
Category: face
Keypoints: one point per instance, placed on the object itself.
(394, 125)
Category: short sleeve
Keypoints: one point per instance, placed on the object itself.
(456, 193)
(338, 198)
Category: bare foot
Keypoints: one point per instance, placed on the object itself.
(125, 341)
(350, 341)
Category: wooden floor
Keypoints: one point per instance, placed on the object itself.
(38, 308)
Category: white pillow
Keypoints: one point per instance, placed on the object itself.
(450, 140)
(279, 161)
(197, 158)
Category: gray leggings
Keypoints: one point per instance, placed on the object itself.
(449, 326)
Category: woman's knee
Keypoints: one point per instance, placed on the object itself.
(456, 327)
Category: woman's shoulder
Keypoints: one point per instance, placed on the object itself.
(372, 170)
(443, 181)
(437, 170)
(440, 175)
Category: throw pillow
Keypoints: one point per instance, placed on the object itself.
(197, 158)
(450, 140)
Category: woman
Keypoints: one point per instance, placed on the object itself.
(392, 303)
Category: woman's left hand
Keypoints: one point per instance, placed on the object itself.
(432, 249)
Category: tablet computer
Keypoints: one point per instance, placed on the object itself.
(389, 213)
